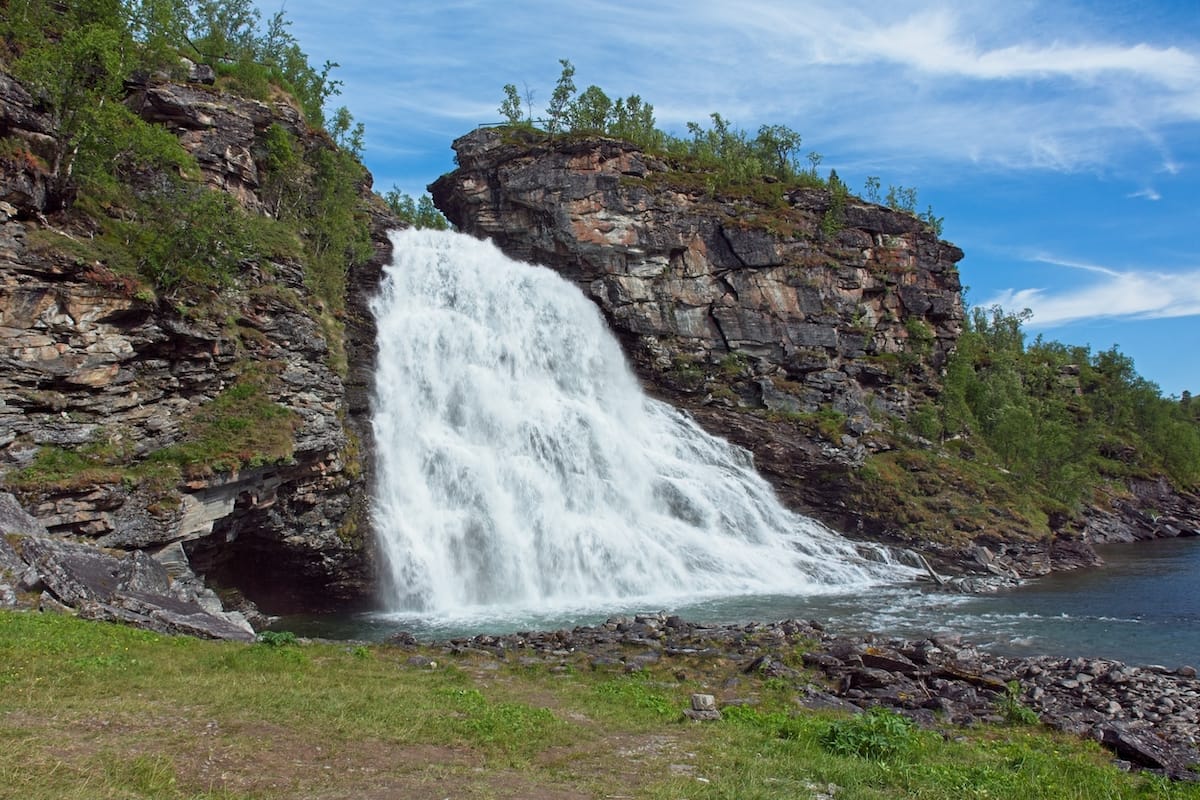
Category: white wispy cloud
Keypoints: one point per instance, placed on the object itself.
(940, 42)
(1022, 86)
(1109, 294)
(1149, 193)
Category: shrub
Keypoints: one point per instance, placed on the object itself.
(278, 638)
(879, 734)
(186, 236)
(1012, 709)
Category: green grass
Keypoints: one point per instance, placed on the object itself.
(90, 710)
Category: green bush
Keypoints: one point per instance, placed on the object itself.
(186, 236)
(278, 639)
(1053, 415)
(879, 734)
(1012, 709)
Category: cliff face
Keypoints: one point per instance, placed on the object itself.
(89, 364)
(786, 325)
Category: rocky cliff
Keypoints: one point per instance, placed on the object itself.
(790, 325)
(804, 324)
(108, 378)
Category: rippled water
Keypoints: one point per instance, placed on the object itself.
(1143, 608)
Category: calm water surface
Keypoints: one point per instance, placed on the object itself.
(1143, 608)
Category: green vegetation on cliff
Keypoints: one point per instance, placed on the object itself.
(131, 208)
(240, 428)
(133, 183)
(1062, 417)
(1024, 434)
(720, 160)
(97, 711)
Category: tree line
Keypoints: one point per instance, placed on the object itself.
(732, 157)
(1058, 417)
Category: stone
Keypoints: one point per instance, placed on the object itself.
(1148, 750)
(769, 667)
(816, 700)
(892, 662)
(401, 639)
(421, 662)
(133, 589)
(16, 520)
(703, 708)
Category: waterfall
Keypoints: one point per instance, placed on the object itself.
(521, 467)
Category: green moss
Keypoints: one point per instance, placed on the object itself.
(920, 495)
(241, 427)
(58, 244)
(686, 373)
(15, 151)
(733, 366)
(826, 422)
(59, 468)
(334, 331)
(721, 391)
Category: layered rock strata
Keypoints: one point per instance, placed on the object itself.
(754, 315)
(798, 306)
(88, 361)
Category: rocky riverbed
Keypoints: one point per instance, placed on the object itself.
(1148, 716)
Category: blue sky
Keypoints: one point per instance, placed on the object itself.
(1059, 140)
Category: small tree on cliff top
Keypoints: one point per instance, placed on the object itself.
(510, 108)
(590, 112)
(560, 100)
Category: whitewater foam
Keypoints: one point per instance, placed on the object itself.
(519, 465)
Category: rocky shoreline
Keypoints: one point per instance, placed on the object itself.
(1149, 716)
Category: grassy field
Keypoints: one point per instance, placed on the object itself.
(89, 710)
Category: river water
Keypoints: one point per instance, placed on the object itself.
(1142, 607)
(526, 482)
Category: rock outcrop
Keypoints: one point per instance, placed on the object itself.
(129, 587)
(91, 364)
(801, 324)
(756, 315)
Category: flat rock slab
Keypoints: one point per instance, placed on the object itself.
(1144, 748)
(131, 588)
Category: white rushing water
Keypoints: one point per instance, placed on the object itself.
(520, 467)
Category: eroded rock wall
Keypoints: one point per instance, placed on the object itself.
(89, 361)
(754, 312)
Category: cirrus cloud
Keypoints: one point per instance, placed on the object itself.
(1110, 293)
